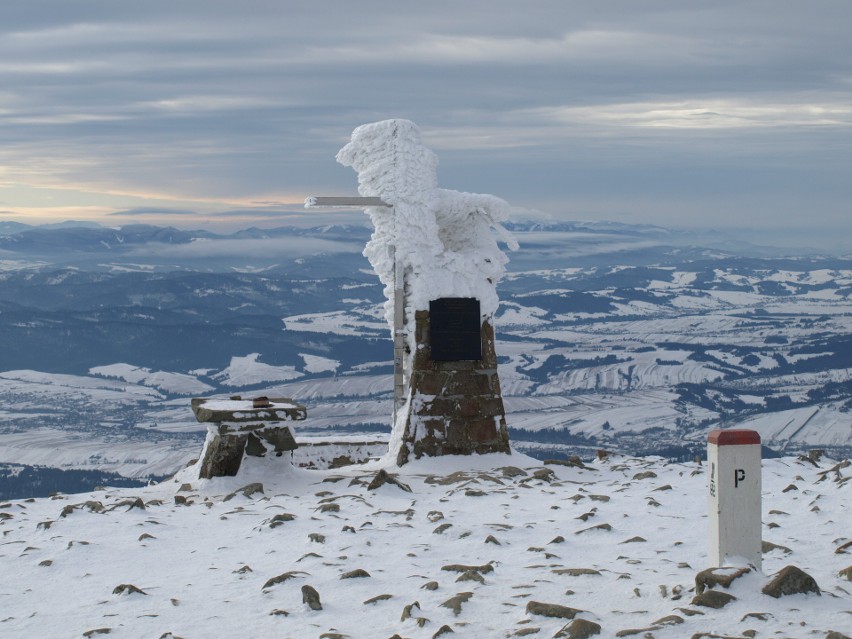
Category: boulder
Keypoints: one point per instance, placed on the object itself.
(790, 581)
(579, 629)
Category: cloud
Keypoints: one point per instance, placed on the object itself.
(151, 212)
(283, 248)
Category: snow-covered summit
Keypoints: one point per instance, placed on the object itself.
(483, 546)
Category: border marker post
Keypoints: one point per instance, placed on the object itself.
(734, 499)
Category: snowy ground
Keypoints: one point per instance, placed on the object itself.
(619, 541)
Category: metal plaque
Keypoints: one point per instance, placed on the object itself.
(455, 329)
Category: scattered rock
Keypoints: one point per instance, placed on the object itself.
(279, 613)
(91, 506)
(127, 589)
(472, 492)
(46, 563)
(358, 573)
(789, 488)
(790, 581)
(245, 568)
(470, 575)
(603, 498)
(97, 631)
(443, 630)
(377, 599)
(441, 528)
(311, 597)
(841, 549)
(833, 634)
(646, 474)
(491, 539)
(280, 579)
(181, 500)
(512, 471)
(579, 629)
(383, 477)
(713, 599)
(317, 538)
(718, 576)
(551, 610)
(145, 536)
(329, 508)
(576, 572)
(455, 603)
(407, 610)
(544, 474)
(523, 632)
(430, 585)
(485, 568)
(604, 527)
(768, 546)
(669, 620)
(846, 573)
(557, 540)
(280, 519)
(634, 540)
(246, 491)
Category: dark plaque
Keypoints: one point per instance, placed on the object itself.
(455, 329)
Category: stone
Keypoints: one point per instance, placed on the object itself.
(280, 519)
(791, 581)
(647, 474)
(768, 546)
(576, 572)
(455, 603)
(443, 630)
(604, 527)
(317, 538)
(485, 568)
(311, 597)
(246, 491)
(491, 539)
(430, 585)
(833, 634)
(97, 631)
(384, 477)
(846, 573)
(579, 629)
(470, 575)
(377, 599)
(358, 573)
(718, 577)
(282, 578)
(455, 407)
(551, 610)
(127, 589)
(713, 599)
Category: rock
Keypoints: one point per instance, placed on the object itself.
(245, 568)
(485, 568)
(46, 563)
(329, 508)
(455, 603)
(383, 477)
(181, 500)
(669, 620)
(440, 529)
(833, 634)
(768, 546)
(377, 599)
(280, 579)
(317, 538)
(604, 527)
(97, 631)
(523, 632)
(846, 573)
(311, 597)
(407, 610)
(145, 536)
(127, 589)
(579, 629)
(512, 471)
(472, 492)
(358, 573)
(790, 581)
(430, 585)
(279, 613)
(491, 539)
(246, 491)
(576, 572)
(443, 630)
(718, 576)
(470, 575)
(634, 540)
(280, 518)
(842, 548)
(551, 610)
(647, 474)
(713, 599)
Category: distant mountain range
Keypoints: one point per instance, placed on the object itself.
(632, 338)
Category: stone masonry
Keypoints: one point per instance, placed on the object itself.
(455, 407)
(238, 427)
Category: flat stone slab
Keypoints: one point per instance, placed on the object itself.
(262, 409)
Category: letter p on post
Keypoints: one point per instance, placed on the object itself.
(734, 501)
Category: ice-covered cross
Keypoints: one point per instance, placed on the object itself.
(445, 241)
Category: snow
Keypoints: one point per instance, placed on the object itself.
(204, 566)
(247, 371)
(174, 383)
(317, 364)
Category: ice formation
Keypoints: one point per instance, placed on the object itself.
(446, 240)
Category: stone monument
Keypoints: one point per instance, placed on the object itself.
(438, 249)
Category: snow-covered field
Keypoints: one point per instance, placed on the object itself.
(491, 546)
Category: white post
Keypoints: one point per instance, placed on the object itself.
(398, 335)
(734, 501)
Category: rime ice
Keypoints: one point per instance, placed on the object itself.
(446, 240)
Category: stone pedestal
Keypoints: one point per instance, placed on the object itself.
(238, 427)
(454, 407)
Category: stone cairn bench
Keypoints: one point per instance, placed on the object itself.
(239, 427)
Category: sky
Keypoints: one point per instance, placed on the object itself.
(202, 113)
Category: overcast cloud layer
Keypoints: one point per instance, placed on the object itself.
(724, 114)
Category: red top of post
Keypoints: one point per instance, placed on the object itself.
(733, 437)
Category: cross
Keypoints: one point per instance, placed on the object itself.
(398, 292)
